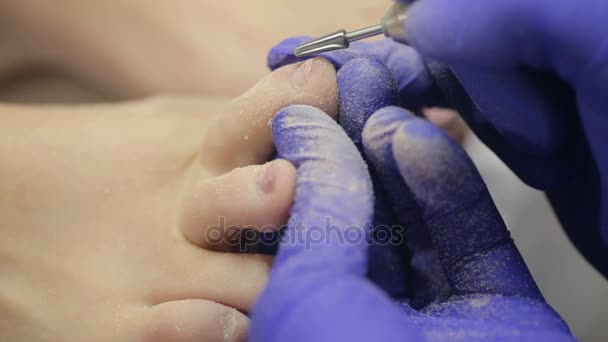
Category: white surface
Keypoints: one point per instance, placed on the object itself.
(569, 283)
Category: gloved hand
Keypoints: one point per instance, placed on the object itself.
(534, 78)
(318, 290)
(533, 92)
(365, 85)
(472, 284)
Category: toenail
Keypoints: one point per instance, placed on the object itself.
(266, 178)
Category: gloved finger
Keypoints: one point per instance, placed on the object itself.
(415, 84)
(365, 85)
(322, 259)
(329, 169)
(472, 242)
(427, 280)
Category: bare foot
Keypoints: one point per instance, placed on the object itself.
(102, 209)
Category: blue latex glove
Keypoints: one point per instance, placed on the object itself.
(532, 92)
(364, 86)
(370, 77)
(534, 78)
(318, 290)
(303, 296)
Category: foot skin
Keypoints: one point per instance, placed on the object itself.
(135, 47)
(102, 210)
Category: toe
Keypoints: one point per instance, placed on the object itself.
(194, 320)
(220, 209)
(241, 135)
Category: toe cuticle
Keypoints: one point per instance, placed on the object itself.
(301, 75)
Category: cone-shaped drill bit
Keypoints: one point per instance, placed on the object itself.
(392, 26)
(336, 41)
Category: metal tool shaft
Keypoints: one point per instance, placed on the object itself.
(364, 33)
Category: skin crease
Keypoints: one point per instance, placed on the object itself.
(100, 206)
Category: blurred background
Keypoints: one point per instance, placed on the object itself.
(179, 49)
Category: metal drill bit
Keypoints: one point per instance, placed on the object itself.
(336, 41)
(392, 26)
